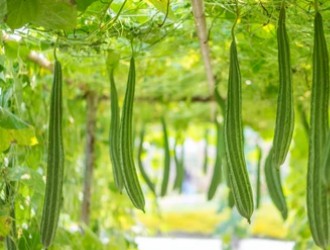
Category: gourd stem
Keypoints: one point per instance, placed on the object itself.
(236, 20)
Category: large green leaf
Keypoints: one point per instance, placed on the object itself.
(3, 9)
(56, 14)
(59, 14)
(83, 4)
(21, 12)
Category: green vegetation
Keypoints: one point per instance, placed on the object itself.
(195, 63)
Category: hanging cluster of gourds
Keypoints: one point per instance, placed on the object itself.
(121, 152)
(230, 147)
(318, 197)
(318, 165)
(229, 143)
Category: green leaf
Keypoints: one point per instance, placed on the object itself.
(14, 50)
(11, 49)
(17, 173)
(3, 9)
(5, 225)
(21, 12)
(56, 15)
(10, 121)
(28, 176)
(30, 239)
(23, 137)
(49, 14)
(162, 6)
(83, 4)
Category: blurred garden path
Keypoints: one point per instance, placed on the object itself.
(177, 209)
(161, 243)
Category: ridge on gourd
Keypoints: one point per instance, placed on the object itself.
(114, 143)
(131, 181)
(326, 162)
(285, 108)
(238, 174)
(55, 163)
(318, 200)
(231, 200)
(230, 197)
